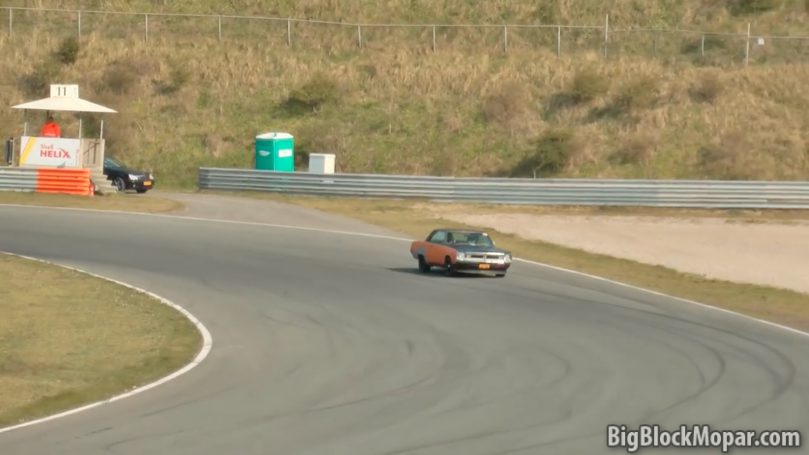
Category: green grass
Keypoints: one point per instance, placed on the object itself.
(414, 218)
(68, 339)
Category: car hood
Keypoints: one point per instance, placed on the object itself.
(126, 170)
(478, 248)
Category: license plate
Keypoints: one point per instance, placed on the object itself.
(147, 183)
(484, 266)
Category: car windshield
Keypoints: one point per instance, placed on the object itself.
(470, 238)
(111, 162)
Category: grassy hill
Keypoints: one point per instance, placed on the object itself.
(655, 108)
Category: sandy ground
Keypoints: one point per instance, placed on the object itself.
(775, 254)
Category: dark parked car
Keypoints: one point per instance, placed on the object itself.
(125, 178)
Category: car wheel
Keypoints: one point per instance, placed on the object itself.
(119, 184)
(423, 266)
(449, 269)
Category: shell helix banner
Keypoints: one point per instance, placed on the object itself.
(49, 152)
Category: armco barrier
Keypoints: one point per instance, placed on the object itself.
(16, 179)
(64, 181)
(650, 193)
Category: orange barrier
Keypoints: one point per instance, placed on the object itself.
(64, 181)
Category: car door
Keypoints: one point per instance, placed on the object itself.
(436, 250)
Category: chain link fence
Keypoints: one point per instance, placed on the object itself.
(700, 47)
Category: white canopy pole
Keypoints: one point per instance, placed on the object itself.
(101, 134)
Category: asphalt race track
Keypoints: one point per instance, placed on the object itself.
(327, 343)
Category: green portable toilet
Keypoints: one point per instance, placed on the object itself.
(275, 152)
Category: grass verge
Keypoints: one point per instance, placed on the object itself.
(414, 218)
(125, 202)
(68, 339)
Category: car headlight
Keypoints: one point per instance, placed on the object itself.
(460, 256)
(507, 258)
(134, 177)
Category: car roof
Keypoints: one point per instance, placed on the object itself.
(465, 231)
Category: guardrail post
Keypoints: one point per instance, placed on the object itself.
(146, 26)
(289, 33)
(606, 33)
(219, 24)
(702, 47)
(434, 38)
(359, 36)
(78, 25)
(10, 22)
(505, 38)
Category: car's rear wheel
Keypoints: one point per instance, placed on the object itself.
(449, 269)
(423, 266)
(119, 183)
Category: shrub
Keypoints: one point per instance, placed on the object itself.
(68, 51)
(588, 85)
(312, 95)
(551, 154)
(642, 93)
(729, 158)
(36, 82)
(636, 149)
(706, 89)
(509, 105)
(741, 7)
(120, 77)
(178, 77)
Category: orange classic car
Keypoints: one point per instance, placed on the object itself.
(457, 250)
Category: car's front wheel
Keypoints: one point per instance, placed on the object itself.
(449, 269)
(423, 266)
(119, 183)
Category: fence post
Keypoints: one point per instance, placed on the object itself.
(146, 26)
(289, 33)
(359, 36)
(606, 33)
(10, 22)
(505, 38)
(433, 38)
(219, 26)
(78, 25)
(747, 47)
(559, 41)
(702, 47)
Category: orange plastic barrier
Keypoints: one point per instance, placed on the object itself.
(64, 181)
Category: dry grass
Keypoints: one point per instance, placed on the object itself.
(415, 218)
(67, 339)
(125, 202)
(467, 109)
